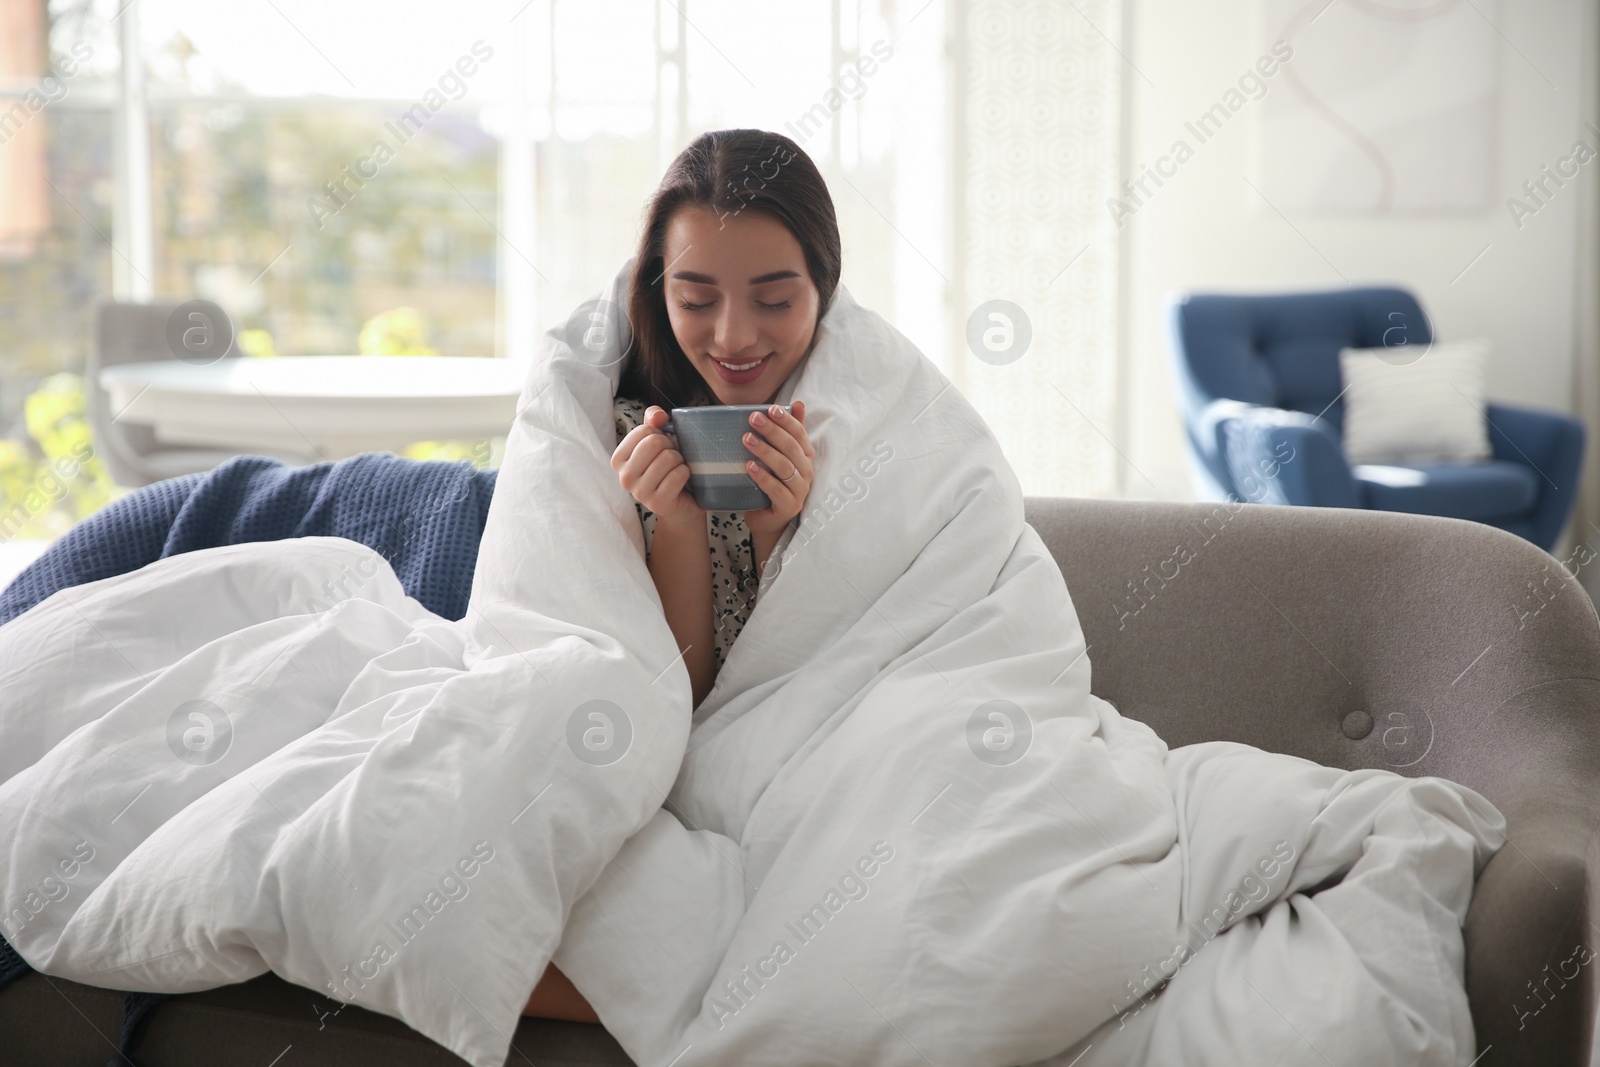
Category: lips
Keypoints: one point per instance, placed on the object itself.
(748, 374)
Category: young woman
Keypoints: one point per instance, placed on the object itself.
(737, 264)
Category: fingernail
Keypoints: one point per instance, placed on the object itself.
(749, 438)
(760, 418)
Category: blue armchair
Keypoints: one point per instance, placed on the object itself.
(1260, 386)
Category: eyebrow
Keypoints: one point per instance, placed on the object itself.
(761, 279)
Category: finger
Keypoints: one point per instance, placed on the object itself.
(644, 454)
(675, 489)
(654, 479)
(675, 482)
(625, 447)
(782, 438)
(776, 488)
(776, 459)
(648, 447)
(791, 424)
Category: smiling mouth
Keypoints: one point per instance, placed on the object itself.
(740, 367)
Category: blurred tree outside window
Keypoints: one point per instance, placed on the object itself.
(55, 263)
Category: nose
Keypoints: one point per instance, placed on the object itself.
(736, 330)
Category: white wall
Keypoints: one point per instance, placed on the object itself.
(1207, 228)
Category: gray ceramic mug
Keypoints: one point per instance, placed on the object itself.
(712, 442)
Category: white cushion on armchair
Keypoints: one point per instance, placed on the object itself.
(1427, 409)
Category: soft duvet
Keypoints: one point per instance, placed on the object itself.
(899, 830)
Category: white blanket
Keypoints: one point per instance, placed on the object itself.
(899, 830)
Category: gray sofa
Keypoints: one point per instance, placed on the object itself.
(1353, 638)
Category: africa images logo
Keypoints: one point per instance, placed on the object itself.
(751, 979)
(451, 887)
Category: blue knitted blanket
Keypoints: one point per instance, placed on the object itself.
(425, 517)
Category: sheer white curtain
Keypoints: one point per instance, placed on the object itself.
(1036, 109)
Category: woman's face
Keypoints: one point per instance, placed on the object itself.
(741, 303)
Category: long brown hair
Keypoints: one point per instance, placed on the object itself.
(725, 171)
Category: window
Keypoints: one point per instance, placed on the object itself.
(310, 165)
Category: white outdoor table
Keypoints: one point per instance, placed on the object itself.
(322, 407)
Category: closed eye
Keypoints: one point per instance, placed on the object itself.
(763, 305)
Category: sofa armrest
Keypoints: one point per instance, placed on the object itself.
(1277, 456)
(1552, 445)
(1532, 938)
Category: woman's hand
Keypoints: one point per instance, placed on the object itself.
(649, 466)
(778, 438)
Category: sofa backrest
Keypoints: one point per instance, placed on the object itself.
(1353, 638)
(1282, 349)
